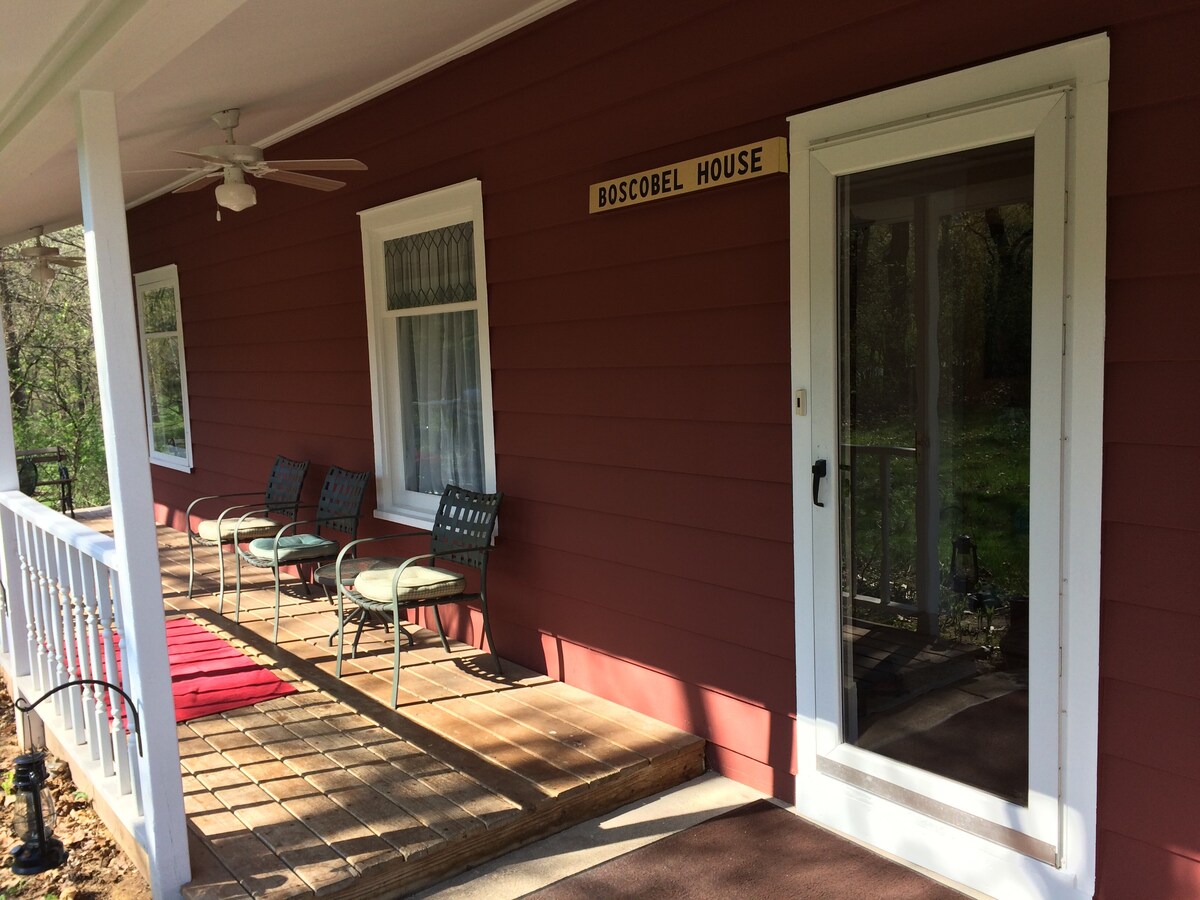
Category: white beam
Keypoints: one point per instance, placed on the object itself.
(8, 445)
(143, 645)
(13, 640)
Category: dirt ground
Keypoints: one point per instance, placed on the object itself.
(96, 868)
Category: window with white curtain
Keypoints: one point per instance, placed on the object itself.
(164, 372)
(430, 373)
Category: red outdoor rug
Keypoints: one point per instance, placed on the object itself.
(757, 851)
(208, 675)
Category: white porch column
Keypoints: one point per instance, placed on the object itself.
(8, 445)
(144, 646)
(13, 641)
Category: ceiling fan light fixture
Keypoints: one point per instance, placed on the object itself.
(43, 273)
(234, 193)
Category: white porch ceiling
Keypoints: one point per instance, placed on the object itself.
(287, 64)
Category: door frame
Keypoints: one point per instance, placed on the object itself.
(1078, 72)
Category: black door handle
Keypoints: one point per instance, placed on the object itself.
(819, 470)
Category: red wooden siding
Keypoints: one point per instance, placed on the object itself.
(640, 357)
(1149, 667)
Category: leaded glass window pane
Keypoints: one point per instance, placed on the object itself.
(430, 268)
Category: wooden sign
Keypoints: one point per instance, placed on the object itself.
(724, 167)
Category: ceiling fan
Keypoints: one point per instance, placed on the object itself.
(44, 259)
(229, 163)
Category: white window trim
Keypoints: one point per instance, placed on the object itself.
(1082, 67)
(164, 276)
(424, 212)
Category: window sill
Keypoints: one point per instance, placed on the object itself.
(414, 517)
(179, 465)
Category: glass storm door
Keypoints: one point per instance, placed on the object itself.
(936, 438)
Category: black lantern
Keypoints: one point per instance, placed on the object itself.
(964, 565)
(35, 818)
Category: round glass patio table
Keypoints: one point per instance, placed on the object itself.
(359, 616)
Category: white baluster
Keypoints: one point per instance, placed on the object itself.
(8, 560)
(41, 594)
(68, 573)
(123, 757)
(64, 631)
(93, 667)
(108, 648)
(29, 595)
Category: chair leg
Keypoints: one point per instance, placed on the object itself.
(361, 616)
(237, 594)
(396, 656)
(341, 627)
(221, 575)
(191, 563)
(437, 618)
(397, 623)
(487, 633)
(302, 570)
(275, 636)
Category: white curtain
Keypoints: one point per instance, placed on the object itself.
(440, 405)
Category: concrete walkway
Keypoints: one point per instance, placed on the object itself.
(596, 841)
(605, 838)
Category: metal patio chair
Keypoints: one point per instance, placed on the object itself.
(461, 535)
(337, 511)
(278, 501)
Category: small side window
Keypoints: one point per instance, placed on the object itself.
(164, 372)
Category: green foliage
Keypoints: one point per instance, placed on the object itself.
(983, 487)
(52, 365)
(166, 393)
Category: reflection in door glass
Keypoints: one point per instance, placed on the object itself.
(935, 297)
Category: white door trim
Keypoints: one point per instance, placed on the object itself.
(1077, 71)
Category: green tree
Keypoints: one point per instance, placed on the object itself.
(52, 364)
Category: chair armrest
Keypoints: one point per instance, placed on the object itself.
(219, 497)
(351, 550)
(382, 537)
(241, 506)
(287, 527)
(434, 556)
(262, 511)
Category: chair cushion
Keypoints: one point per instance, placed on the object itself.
(294, 547)
(251, 527)
(416, 583)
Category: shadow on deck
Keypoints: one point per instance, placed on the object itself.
(893, 666)
(329, 791)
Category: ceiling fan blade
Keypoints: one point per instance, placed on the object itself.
(173, 169)
(316, 165)
(199, 182)
(308, 181)
(211, 160)
(69, 262)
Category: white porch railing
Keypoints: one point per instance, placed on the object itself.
(883, 456)
(62, 614)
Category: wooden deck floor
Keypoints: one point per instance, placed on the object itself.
(330, 791)
(893, 666)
